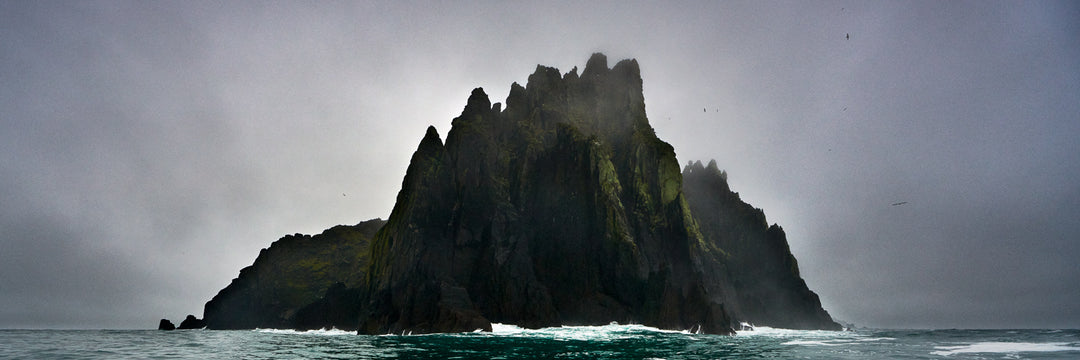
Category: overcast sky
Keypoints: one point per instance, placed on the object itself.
(148, 150)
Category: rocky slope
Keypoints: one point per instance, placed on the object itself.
(562, 208)
(293, 274)
(763, 273)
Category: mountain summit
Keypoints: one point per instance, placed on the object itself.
(564, 208)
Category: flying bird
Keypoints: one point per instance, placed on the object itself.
(847, 36)
(899, 203)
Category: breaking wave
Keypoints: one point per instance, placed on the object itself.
(611, 331)
(323, 331)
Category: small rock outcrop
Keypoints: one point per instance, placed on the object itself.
(165, 324)
(191, 322)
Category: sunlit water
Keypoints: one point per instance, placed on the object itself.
(510, 342)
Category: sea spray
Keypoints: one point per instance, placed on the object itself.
(613, 341)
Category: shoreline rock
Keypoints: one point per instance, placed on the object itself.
(191, 322)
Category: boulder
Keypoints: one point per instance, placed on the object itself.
(165, 324)
(191, 322)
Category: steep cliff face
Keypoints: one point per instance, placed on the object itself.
(293, 273)
(564, 208)
(763, 273)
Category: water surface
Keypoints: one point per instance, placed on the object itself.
(510, 342)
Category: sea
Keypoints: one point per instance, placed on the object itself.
(612, 341)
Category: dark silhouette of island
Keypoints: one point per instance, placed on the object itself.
(564, 208)
(190, 322)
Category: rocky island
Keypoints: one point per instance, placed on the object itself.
(563, 208)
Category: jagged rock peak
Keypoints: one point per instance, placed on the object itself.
(431, 141)
(715, 170)
(628, 68)
(605, 102)
(693, 167)
(572, 74)
(595, 68)
(596, 65)
(697, 168)
(478, 102)
(712, 166)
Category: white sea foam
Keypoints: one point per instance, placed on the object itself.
(323, 331)
(611, 331)
(768, 331)
(506, 329)
(815, 342)
(876, 339)
(813, 337)
(1004, 347)
(777, 332)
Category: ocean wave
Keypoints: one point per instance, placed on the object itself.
(612, 331)
(816, 342)
(778, 332)
(569, 342)
(1004, 347)
(814, 337)
(323, 331)
(834, 342)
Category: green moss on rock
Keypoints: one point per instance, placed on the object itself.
(293, 272)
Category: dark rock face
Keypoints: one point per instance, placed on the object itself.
(338, 308)
(564, 208)
(295, 272)
(764, 274)
(165, 324)
(190, 322)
